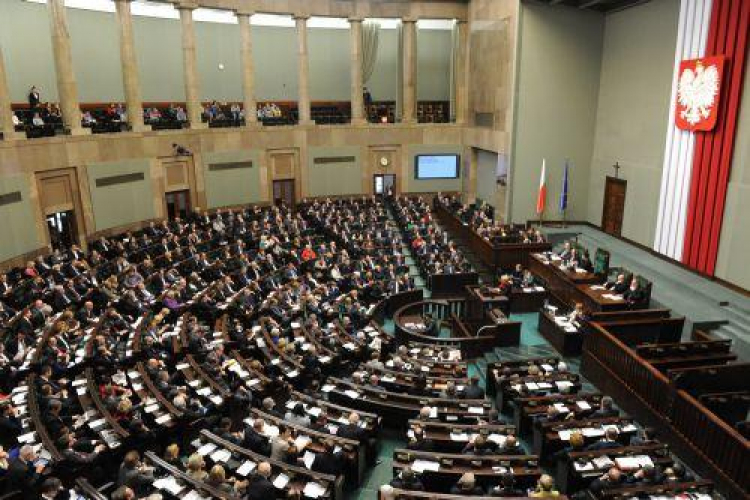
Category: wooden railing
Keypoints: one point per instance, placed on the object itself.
(722, 444)
(712, 446)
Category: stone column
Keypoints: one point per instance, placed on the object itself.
(66, 81)
(410, 71)
(6, 112)
(192, 91)
(248, 71)
(130, 80)
(462, 74)
(355, 62)
(303, 100)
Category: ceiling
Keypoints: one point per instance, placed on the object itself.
(603, 6)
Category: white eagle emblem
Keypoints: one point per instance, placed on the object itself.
(697, 91)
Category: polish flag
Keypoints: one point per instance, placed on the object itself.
(542, 196)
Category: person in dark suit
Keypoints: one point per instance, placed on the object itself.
(614, 478)
(606, 409)
(467, 486)
(618, 286)
(34, 98)
(10, 425)
(407, 480)
(507, 487)
(352, 430)
(328, 462)
(646, 437)
(473, 391)
(634, 295)
(23, 476)
(609, 441)
(419, 442)
(260, 486)
(134, 475)
(255, 440)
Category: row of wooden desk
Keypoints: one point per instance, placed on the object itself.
(496, 257)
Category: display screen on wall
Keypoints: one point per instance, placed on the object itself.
(437, 167)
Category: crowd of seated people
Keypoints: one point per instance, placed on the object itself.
(430, 244)
(480, 218)
(199, 354)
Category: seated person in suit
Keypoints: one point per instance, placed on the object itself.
(678, 474)
(609, 441)
(647, 436)
(649, 475)
(578, 314)
(566, 252)
(467, 486)
(260, 486)
(618, 286)
(511, 446)
(614, 478)
(634, 295)
(431, 326)
(507, 487)
(606, 409)
(419, 442)
(407, 480)
(545, 488)
(473, 390)
(577, 443)
(480, 446)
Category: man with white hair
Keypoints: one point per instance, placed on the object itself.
(260, 487)
(23, 475)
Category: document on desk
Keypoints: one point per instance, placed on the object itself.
(169, 484)
(246, 468)
(603, 462)
(476, 410)
(313, 490)
(281, 481)
(206, 449)
(592, 432)
(565, 434)
(583, 466)
(433, 412)
(221, 455)
(583, 405)
(308, 458)
(423, 465)
(563, 384)
(352, 394)
(328, 388)
(498, 439)
(462, 436)
(561, 408)
(301, 442)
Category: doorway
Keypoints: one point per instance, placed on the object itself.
(283, 192)
(614, 205)
(178, 204)
(384, 184)
(62, 229)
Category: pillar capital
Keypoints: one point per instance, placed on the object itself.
(185, 5)
(243, 13)
(409, 19)
(298, 16)
(355, 19)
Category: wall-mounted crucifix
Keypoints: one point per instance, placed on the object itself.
(617, 168)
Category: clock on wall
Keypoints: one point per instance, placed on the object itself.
(384, 161)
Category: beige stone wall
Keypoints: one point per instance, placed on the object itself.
(276, 153)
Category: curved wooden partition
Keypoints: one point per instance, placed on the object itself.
(447, 311)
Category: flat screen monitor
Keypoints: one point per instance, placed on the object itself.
(440, 166)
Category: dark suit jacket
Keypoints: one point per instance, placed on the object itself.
(261, 488)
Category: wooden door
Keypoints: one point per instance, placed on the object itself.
(614, 205)
(283, 192)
